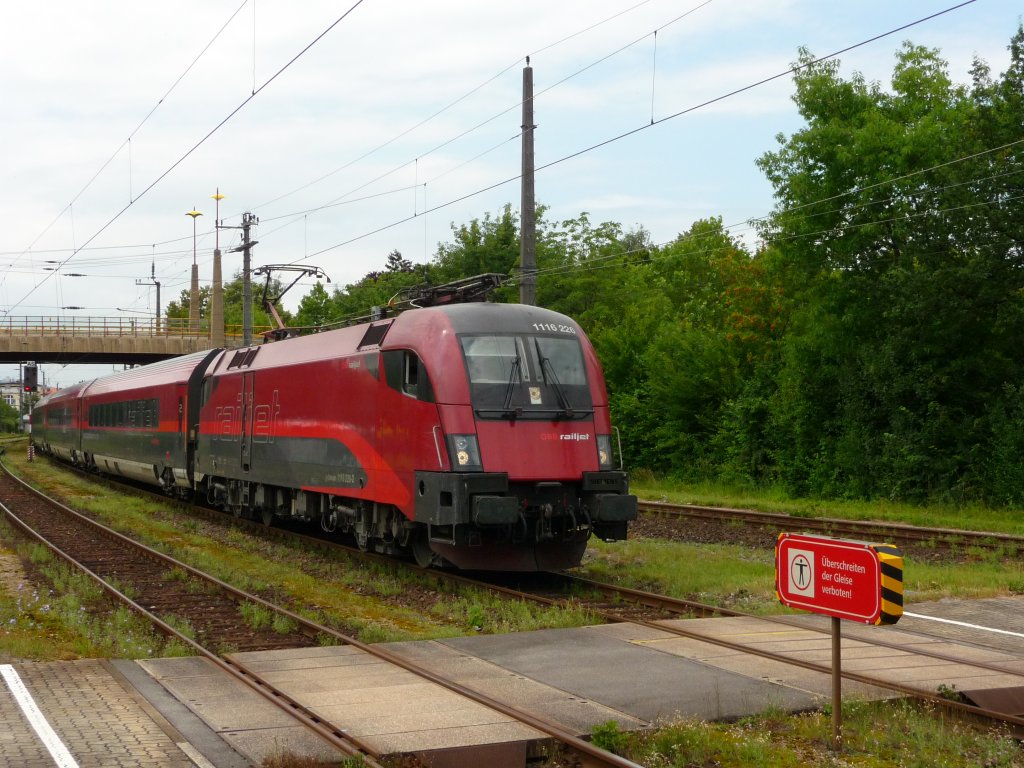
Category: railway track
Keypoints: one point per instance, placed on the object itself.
(895, 533)
(614, 603)
(108, 557)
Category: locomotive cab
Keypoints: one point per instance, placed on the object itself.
(530, 474)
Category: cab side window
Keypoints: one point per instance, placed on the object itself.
(404, 372)
(411, 375)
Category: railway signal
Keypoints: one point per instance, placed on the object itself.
(30, 379)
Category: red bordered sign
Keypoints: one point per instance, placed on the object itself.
(845, 579)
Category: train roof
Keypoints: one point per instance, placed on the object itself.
(414, 328)
(174, 370)
(487, 317)
(68, 393)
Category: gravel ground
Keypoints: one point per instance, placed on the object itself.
(695, 531)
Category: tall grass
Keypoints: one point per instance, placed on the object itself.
(896, 734)
(72, 618)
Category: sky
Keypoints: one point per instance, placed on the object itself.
(355, 128)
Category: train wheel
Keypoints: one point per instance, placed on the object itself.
(421, 551)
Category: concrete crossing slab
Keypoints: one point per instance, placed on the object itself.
(626, 676)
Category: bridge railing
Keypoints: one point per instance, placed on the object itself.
(114, 326)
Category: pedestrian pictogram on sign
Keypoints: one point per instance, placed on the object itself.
(801, 571)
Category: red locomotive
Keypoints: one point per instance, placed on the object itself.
(476, 435)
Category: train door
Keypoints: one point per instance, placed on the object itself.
(77, 422)
(197, 394)
(248, 385)
(407, 429)
(181, 426)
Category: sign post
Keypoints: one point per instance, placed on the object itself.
(844, 579)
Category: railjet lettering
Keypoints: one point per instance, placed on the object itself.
(263, 420)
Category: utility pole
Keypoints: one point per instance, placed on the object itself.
(248, 220)
(153, 281)
(527, 215)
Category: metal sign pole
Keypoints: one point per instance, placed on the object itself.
(837, 685)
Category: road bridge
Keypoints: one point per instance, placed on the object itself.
(115, 340)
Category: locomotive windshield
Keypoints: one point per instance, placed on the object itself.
(527, 376)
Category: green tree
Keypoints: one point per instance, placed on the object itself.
(178, 310)
(896, 215)
(10, 419)
(396, 263)
(376, 289)
(314, 308)
(233, 291)
(490, 245)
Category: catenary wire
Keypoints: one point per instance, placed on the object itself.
(133, 133)
(203, 140)
(449, 106)
(677, 114)
(644, 127)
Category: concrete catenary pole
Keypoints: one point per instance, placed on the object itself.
(527, 215)
(217, 295)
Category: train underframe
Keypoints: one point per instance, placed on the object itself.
(472, 521)
(469, 521)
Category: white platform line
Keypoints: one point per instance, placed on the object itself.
(60, 754)
(193, 754)
(963, 624)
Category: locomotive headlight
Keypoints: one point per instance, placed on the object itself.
(604, 452)
(465, 453)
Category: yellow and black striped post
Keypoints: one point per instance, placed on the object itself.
(891, 563)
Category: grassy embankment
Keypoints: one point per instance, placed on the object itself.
(743, 578)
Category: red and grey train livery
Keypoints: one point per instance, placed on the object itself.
(476, 435)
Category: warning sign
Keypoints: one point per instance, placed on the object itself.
(845, 579)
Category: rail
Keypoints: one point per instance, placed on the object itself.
(902, 534)
(114, 327)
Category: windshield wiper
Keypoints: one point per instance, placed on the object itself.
(547, 369)
(511, 388)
